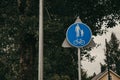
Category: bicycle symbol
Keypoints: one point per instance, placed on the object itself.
(78, 42)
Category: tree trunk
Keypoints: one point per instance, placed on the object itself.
(27, 58)
(27, 44)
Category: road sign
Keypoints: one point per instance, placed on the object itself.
(78, 35)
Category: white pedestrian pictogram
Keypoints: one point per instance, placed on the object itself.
(79, 32)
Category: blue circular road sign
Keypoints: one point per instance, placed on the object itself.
(78, 35)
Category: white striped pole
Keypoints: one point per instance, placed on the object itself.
(40, 62)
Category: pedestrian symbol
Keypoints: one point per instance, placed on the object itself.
(78, 35)
(78, 31)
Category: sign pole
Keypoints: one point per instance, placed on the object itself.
(79, 64)
(40, 61)
(78, 35)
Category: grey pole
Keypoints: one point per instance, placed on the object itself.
(40, 62)
(79, 64)
(66, 44)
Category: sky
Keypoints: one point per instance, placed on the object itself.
(99, 51)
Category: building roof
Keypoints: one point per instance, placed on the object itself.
(100, 75)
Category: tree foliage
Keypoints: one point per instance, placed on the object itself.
(113, 54)
(60, 15)
(19, 35)
(91, 12)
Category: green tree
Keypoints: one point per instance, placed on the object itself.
(91, 12)
(19, 34)
(58, 15)
(103, 67)
(113, 54)
(18, 39)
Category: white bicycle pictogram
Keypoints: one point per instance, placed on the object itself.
(78, 42)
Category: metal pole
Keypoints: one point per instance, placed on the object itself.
(79, 64)
(40, 62)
